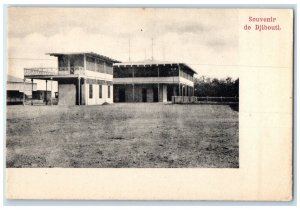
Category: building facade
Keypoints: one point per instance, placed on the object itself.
(18, 90)
(83, 78)
(152, 81)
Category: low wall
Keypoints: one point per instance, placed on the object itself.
(204, 100)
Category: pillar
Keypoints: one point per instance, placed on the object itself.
(24, 92)
(85, 93)
(46, 93)
(158, 84)
(78, 91)
(51, 91)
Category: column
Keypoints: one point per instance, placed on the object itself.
(133, 99)
(31, 92)
(24, 92)
(78, 91)
(158, 84)
(85, 93)
(51, 91)
(46, 93)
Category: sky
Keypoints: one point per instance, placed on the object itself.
(205, 39)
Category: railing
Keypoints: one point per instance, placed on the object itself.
(204, 100)
(53, 71)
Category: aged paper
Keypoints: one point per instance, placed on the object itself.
(263, 62)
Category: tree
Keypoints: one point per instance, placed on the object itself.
(214, 87)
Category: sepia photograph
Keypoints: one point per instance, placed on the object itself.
(122, 88)
(148, 103)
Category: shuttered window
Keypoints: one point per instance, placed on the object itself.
(91, 91)
(108, 91)
(100, 91)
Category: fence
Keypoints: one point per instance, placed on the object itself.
(204, 100)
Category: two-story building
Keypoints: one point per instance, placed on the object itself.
(152, 81)
(83, 78)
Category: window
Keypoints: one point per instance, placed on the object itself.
(108, 93)
(100, 91)
(91, 91)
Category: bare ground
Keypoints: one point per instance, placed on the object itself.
(123, 135)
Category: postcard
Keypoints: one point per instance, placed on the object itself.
(149, 103)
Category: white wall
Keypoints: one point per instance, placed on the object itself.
(96, 100)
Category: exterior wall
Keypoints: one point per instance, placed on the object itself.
(95, 99)
(186, 81)
(151, 91)
(67, 94)
(98, 75)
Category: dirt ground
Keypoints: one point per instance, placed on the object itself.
(152, 135)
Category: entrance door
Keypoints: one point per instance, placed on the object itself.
(169, 92)
(155, 94)
(144, 94)
(122, 95)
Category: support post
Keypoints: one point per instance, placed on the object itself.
(132, 85)
(158, 84)
(31, 92)
(84, 61)
(46, 93)
(24, 92)
(79, 91)
(85, 94)
(51, 91)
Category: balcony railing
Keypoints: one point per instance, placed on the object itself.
(53, 71)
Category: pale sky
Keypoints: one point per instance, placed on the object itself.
(205, 39)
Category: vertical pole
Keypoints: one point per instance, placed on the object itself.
(84, 61)
(158, 84)
(51, 91)
(179, 89)
(24, 92)
(79, 91)
(85, 93)
(31, 92)
(46, 93)
(133, 97)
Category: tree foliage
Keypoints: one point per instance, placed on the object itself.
(213, 87)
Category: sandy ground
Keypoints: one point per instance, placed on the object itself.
(122, 135)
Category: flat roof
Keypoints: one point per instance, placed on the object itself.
(152, 63)
(102, 57)
(13, 79)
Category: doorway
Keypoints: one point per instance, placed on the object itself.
(122, 95)
(144, 95)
